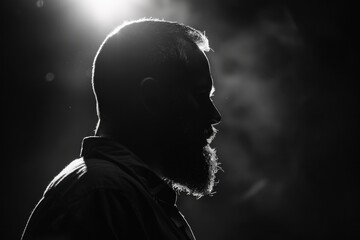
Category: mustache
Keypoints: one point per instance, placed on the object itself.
(210, 134)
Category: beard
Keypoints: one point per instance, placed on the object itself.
(191, 163)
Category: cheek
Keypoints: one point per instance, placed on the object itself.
(185, 108)
(193, 112)
(190, 106)
(186, 116)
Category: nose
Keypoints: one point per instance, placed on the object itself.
(215, 117)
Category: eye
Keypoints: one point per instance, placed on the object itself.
(204, 97)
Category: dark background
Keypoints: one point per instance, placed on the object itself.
(286, 79)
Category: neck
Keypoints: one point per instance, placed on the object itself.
(146, 149)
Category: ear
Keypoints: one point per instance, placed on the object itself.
(153, 96)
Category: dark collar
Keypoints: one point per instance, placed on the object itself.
(99, 147)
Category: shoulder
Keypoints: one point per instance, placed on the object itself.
(82, 176)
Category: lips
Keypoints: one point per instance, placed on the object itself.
(209, 134)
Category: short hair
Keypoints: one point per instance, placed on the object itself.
(139, 49)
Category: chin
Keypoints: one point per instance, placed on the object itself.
(193, 170)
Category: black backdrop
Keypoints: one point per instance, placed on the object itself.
(289, 137)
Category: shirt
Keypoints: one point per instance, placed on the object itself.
(108, 193)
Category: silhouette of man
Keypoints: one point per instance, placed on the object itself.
(153, 87)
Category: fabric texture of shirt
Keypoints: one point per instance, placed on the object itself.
(108, 193)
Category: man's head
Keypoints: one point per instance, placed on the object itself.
(153, 87)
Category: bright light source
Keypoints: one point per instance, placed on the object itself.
(105, 12)
(100, 16)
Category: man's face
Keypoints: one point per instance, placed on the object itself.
(190, 163)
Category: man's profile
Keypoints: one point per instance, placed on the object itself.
(153, 87)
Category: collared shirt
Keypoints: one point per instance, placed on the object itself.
(108, 193)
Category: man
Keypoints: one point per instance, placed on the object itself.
(153, 87)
